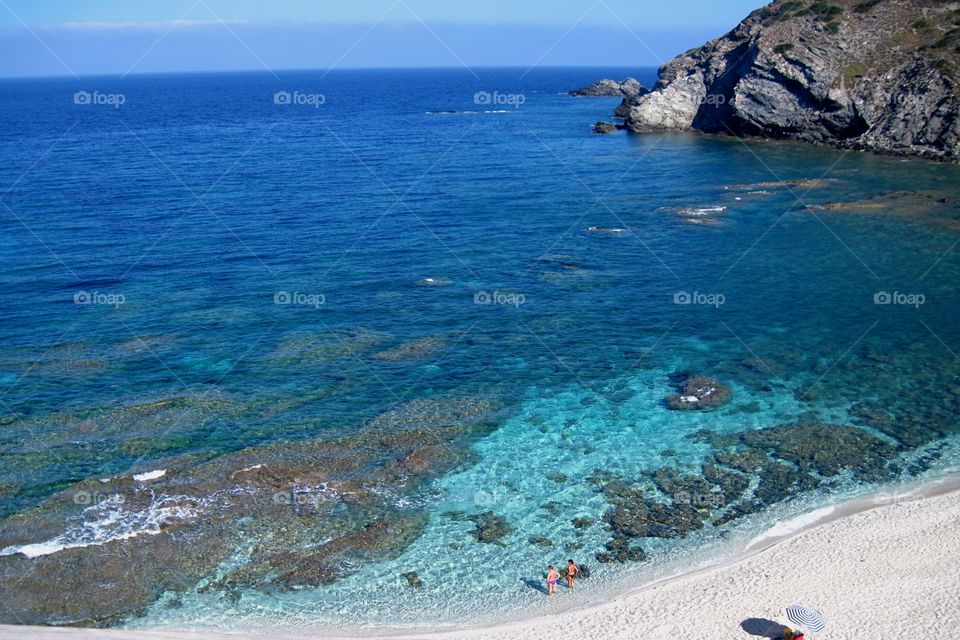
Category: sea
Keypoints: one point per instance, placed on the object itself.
(456, 335)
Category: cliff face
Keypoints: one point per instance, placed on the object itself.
(879, 75)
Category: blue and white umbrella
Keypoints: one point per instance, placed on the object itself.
(806, 617)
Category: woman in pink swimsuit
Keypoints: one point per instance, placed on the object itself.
(552, 576)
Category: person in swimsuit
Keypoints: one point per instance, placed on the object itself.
(572, 571)
(552, 576)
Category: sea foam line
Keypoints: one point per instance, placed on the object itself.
(110, 522)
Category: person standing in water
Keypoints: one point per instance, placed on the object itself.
(552, 576)
(572, 571)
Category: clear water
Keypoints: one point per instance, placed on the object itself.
(200, 199)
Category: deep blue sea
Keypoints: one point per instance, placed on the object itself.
(197, 270)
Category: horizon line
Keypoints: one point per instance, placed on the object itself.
(325, 70)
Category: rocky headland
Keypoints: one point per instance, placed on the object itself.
(874, 75)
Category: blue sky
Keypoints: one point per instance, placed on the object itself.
(82, 37)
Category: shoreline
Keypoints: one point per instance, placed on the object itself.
(828, 523)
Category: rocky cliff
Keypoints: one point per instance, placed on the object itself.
(878, 75)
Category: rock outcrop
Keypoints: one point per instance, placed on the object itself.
(876, 75)
(699, 393)
(607, 88)
(604, 127)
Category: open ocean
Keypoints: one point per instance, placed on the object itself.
(269, 344)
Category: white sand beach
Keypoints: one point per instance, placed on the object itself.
(886, 565)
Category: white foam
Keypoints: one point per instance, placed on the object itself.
(703, 211)
(108, 521)
(782, 529)
(150, 475)
(593, 229)
(34, 550)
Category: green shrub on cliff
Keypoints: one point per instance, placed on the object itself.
(780, 13)
(866, 7)
(824, 11)
(854, 72)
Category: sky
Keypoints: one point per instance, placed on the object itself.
(93, 37)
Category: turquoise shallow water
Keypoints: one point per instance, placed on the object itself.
(575, 432)
(345, 260)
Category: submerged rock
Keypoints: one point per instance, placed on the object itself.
(932, 208)
(604, 127)
(744, 460)
(780, 482)
(98, 586)
(619, 549)
(678, 486)
(412, 349)
(925, 461)
(557, 476)
(65, 446)
(700, 393)
(826, 449)
(413, 579)
(490, 527)
(749, 471)
(732, 485)
(322, 564)
(305, 347)
(305, 513)
(540, 541)
(642, 517)
(562, 261)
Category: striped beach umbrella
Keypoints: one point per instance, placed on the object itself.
(806, 618)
